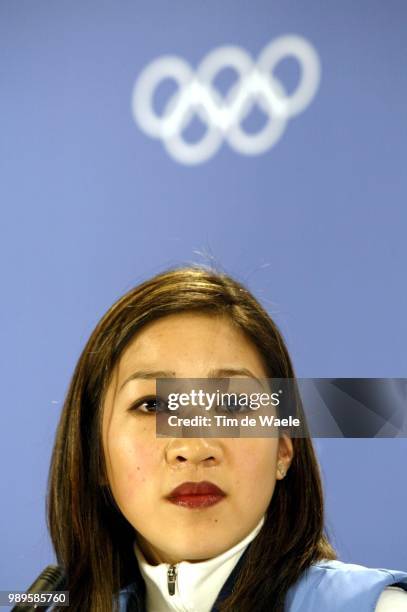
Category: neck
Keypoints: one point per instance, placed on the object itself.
(155, 556)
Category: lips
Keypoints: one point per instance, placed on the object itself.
(196, 495)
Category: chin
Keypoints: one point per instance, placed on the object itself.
(200, 547)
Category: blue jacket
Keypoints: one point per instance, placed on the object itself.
(327, 586)
(341, 587)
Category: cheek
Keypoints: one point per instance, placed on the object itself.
(132, 461)
(256, 469)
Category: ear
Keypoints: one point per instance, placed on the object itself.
(285, 456)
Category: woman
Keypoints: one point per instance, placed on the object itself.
(140, 522)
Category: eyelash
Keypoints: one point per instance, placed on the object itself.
(163, 407)
(232, 408)
(144, 400)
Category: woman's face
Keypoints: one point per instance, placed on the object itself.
(143, 470)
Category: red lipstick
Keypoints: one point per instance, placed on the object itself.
(196, 495)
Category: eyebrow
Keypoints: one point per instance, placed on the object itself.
(148, 374)
(216, 373)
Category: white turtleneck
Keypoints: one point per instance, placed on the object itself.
(197, 584)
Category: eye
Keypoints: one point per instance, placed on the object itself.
(149, 405)
(232, 406)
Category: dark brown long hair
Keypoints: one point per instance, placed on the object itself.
(92, 539)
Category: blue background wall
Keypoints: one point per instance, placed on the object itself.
(90, 206)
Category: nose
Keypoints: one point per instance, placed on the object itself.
(193, 452)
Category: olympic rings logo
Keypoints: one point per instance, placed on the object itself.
(223, 116)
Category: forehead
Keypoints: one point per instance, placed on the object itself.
(190, 344)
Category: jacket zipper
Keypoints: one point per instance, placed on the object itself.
(171, 579)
